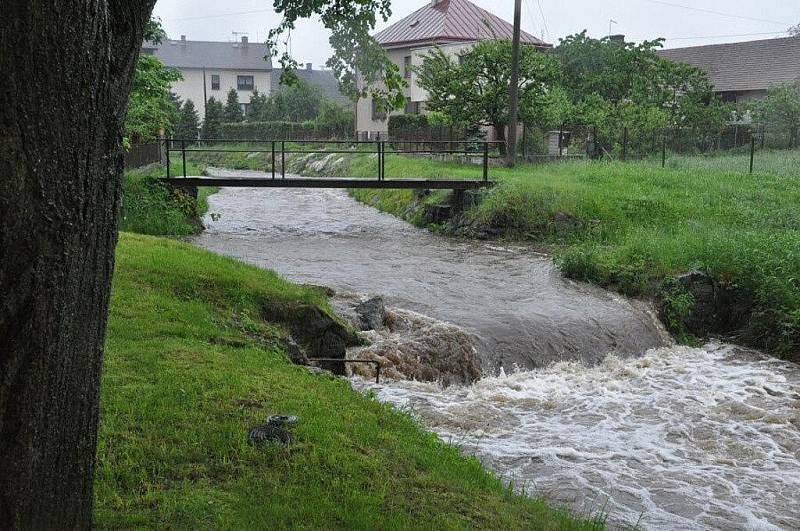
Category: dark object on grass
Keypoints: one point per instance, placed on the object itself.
(275, 431)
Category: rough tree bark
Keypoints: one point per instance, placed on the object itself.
(67, 67)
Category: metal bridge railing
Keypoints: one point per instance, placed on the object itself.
(281, 148)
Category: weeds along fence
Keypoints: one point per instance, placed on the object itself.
(736, 147)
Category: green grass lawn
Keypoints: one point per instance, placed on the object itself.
(191, 365)
(640, 223)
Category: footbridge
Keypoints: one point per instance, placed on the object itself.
(475, 153)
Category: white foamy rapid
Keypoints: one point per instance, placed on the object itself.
(681, 438)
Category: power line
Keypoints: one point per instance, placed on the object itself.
(544, 19)
(529, 11)
(719, 13)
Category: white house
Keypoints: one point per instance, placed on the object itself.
(452, 25)
(212, 69)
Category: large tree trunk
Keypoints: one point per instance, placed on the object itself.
(67, 67)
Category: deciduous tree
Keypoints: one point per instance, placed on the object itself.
(473, 89)
(67, 69)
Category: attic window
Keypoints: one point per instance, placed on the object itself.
(414, 24)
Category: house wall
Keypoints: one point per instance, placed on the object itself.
(191, 87)
(413, 93)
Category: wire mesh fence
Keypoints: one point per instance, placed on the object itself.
(741, 147)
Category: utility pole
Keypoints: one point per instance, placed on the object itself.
(513, 89)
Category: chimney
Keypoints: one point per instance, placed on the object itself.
(244, 41)
(309, 66)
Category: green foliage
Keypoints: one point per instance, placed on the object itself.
(676, 307)
(154, 32)
(294, 103)
(150, 108)
(212, 123)
(781, 110)
(285, 130)
(188, 124)
(149, 207)
(335, 119)
(191, 365)
(356, 54)
(615, 85)
(258, 106)
(232, 111)
(473, 89)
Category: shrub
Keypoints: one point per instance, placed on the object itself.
(279, 130)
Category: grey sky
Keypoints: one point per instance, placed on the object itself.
(638, 19)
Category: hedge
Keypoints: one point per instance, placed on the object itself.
(281, 131)
(417, 127)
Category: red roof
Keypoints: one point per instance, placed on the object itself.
(450, 20)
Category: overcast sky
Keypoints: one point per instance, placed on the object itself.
(682, 22)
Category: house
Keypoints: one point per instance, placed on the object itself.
(212, 69)
(322, 79)
(743, 71)
(452, 25)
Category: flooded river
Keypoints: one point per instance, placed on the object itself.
(669, 437)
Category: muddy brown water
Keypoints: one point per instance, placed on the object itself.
(584, 401)
(521, 312)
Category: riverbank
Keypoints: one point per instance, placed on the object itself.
(638, 229)
(149, 207)
(193, 361)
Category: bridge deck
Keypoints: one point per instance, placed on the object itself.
(329, 182)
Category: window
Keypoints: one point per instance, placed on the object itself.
(245, 107)
(214, 82)
(377, 114)
(407, 67)
(245, 83)
(412, 107)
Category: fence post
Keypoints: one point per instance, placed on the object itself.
(664, 149)
(560, 141)
(273, 159)
(524, 142)
(485, 160)
(183, 152)
(752, 151)
(624, 143)
(383, 160)
(378, 151)
(166, 148)
(283, 159)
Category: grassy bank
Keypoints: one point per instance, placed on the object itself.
(631, 225)
(149, 207)
(191, 365)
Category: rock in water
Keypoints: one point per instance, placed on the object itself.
(371, 313)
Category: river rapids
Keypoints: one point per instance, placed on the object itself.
(582, 400)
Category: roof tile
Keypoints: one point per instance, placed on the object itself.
(743, 66)
(450, 20)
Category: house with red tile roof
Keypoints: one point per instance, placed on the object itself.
(452, 25)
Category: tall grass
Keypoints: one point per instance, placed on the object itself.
(150, 207)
